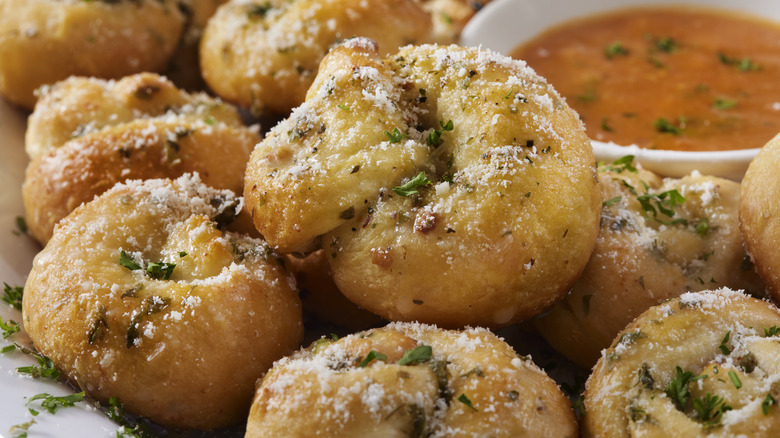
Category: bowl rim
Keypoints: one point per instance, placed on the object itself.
(496, 27)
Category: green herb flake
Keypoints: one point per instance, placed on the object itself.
(644, 376)
(663, 125)
(735, 379)
(347, 108)
(127, 262)
(615, 49)
(9, 328)
(723, 344)
(410, 187)
(20, 430)
(703, 227)
(99, 327)
(463, 398)
(709, 409)
(435, 137)
(611, 202)
(605, 126)
(417, 355)
(629, 338)
(396, 136)
(622, 164)
(743, 64)
(477, 371)
(666, 44)
(373, 354)
(21, 226)
(767, 403)
(13, 295)
(508, 95)
(678, 387)
(722, 103)
(52, 403)
(160, 271)
(663, 203)
(771, 331)
(45, 368)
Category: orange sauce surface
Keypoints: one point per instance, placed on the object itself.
(666, 78)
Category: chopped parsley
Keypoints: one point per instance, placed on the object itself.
(611, 202)
(21, 226)
(20, 430)
(678, 388)
(768, 401)
(615, 49)
(417, 355)
(629, 338)
(155, 270)
(150, 305)
(410, 188)
(622, 164)
(160, 271)
(666, 44)
(434, 138)
(605, 126)
(744, 64)
(771, 331)
(723, 344)
(44, 369)
(735, 379)
(127, 262)
(9, 328)
(52, 403)
(463, 398)
(396, 136)
(663, 125)
(721, 103)
(663, 203)
(508, 95)
(373, 354)
(710, 408)
(346, 108)
(13, 295)
(116, 413)
(703, 227)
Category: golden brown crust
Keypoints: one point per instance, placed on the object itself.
(45, 41)
(502, 229)
(264, 55)
(639, 386)
(471, 384)
(323, 302)
(759, 214)
(86, 135)
(641, 260)
(162, 346)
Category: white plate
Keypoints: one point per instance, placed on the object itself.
(16, 254)
(504, 24)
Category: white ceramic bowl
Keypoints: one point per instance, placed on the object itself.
(503, 24)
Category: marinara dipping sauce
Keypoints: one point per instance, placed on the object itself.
(666, 78)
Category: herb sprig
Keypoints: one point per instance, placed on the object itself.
(411, 186)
